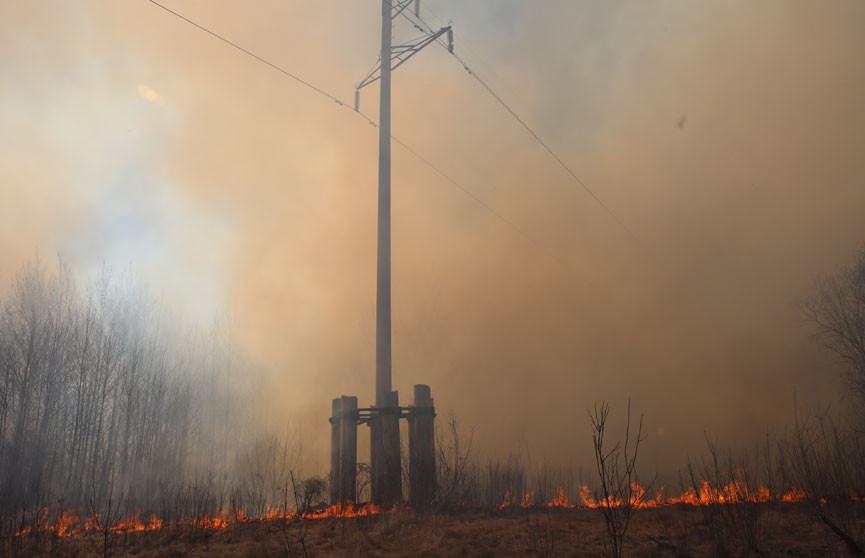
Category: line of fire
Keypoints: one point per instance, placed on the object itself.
(71, 523)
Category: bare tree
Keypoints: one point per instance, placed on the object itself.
(733, 493)
(102, 394)
(619, 494)
(822, 458)
(457, 477)
(837, 308)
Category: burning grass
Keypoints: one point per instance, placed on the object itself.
(734, 492)
(804, 504)
(664, 530)
(74, 523)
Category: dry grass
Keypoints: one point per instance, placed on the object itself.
(664, 532)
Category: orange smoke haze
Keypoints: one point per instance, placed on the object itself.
(727, 137)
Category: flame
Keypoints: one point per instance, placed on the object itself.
(561, 500)
(347, 510)
(734, 492)
(586, 497)
(506, 501)
(69, 523)
(637, 498)
(65, 525)
(218, 521)
(795, 495)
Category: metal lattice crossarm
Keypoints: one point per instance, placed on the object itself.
(400, 6)
(399, 56)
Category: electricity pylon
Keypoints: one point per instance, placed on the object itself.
(386, 479)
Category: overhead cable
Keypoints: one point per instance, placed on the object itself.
(369, 120)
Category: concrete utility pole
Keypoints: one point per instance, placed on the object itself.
(383, 356)
(386, 482)
(383, 418)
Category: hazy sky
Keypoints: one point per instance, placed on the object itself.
(729, 137)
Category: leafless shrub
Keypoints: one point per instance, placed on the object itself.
(619, 493)
(504, 483)
(262, 472)
(103, 516)
(311, 493)
(734, 495)
(299, 534)
(457, 474)
(823, 460)
(364, 480)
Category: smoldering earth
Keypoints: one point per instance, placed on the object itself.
(727, 138)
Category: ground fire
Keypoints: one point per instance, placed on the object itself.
(72, 523)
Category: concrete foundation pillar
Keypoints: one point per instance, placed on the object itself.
(343, 449)
(348, 450)
(386, 482)
(335, 437)
(375, 450)
(421, 443)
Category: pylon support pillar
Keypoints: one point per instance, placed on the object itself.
(335, 425)
(343, 450)
(386, 485)
(421, 448)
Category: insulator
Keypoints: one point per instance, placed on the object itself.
(417, 8)
(356, 100)
(451, 41)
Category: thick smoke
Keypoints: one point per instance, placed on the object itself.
(727, 138)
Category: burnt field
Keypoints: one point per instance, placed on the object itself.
(765, 529)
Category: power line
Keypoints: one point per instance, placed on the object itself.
(497, 97)
(370, 121)
(479, 201)
(549, 150)
(252, 54)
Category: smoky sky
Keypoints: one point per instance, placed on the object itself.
(727, 137)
